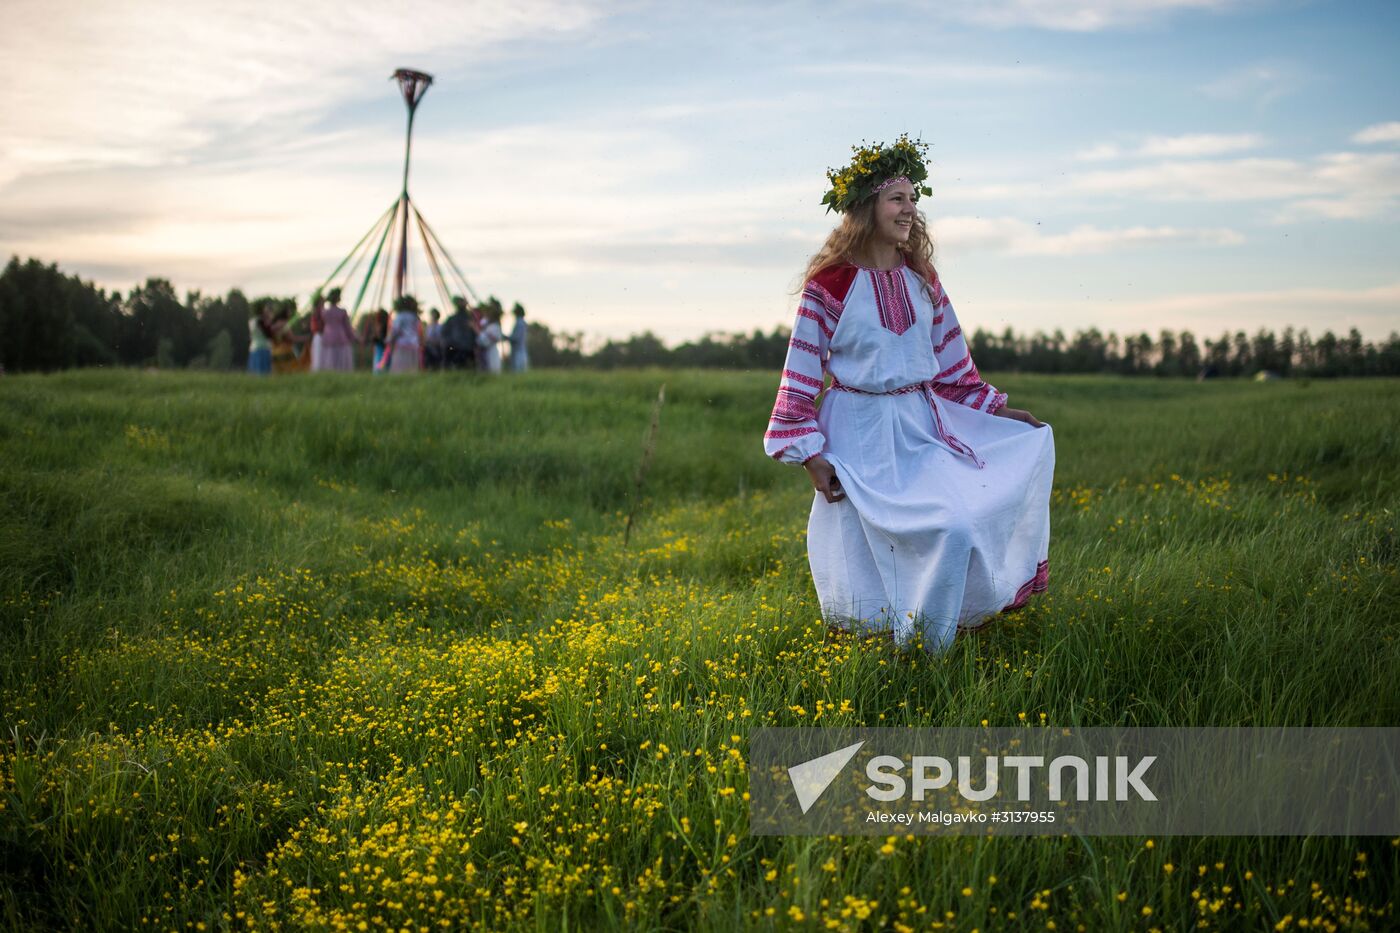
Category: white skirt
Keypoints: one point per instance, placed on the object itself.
(925, 542)
(404, 358)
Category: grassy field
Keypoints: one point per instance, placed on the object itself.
(368, 653)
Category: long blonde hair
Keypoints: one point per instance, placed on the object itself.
(853, 234)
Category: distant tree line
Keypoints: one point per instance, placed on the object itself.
(1293, 353)
(50, 320)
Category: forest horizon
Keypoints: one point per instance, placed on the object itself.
(59, 321)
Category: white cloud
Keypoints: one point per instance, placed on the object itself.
(1088, 239)
(1020, 238)
(939, 71)
(1340, 185)
(149, 82)
(1076, 15)
(1261, 83)
(981, 193)
(1198, 144)
(1351, 186)
(1234, 180)
(1102, 152)
(1186, 146)
(1351, 299)
(1335, 185)
(1379, 133)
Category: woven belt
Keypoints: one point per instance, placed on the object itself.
(949, 439)
(902, 390)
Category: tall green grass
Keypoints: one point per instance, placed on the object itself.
(322, 651)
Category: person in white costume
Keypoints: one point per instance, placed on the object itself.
(403, 352)
(490, 342)
(932, 504)
(519, 335)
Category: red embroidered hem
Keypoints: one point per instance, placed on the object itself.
(1036, 584)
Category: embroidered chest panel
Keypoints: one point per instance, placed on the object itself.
(892, 299)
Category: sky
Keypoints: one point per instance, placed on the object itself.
(1135, 165)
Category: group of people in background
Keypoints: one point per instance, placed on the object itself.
(469, 339)
(273, 344)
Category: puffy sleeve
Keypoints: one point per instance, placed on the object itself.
(792, 435)
(957, 379)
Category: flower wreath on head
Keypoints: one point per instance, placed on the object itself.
(874, 168)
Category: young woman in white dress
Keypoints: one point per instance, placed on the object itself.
(931, 511)
(404, 346)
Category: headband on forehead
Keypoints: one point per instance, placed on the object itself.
(890, 181)
(873, 169)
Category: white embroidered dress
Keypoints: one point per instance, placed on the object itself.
(405, 349)
(946, 519)
(490, 342)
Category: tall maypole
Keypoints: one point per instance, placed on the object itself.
(391, 230)
(413, 85)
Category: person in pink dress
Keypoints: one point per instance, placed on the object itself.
(338, 338)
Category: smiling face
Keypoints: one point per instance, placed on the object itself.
(894, 213)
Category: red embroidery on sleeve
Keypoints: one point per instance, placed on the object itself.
(954, 368)
(947, 339)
